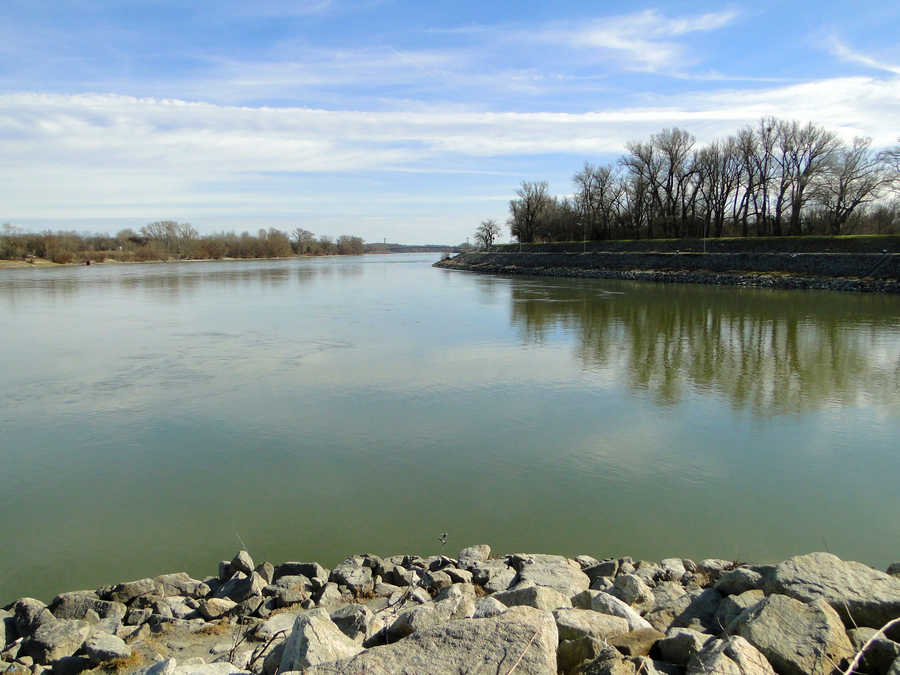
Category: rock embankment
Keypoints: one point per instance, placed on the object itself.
(863, 272)
(472, 614)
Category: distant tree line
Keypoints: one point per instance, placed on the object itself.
(170, 240)
(770, 179)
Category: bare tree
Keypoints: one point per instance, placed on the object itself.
(853, 178)
(487, 233)
(598, 199)
(891, 160)
(304, 240)
(810, 150)
(525, 211)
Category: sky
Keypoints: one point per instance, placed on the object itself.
(405, 121)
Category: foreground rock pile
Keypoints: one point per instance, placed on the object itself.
(471, 614)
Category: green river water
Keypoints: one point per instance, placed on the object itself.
(153, 417)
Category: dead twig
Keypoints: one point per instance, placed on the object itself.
(522, 655)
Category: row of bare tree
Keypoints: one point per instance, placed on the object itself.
(775, 178)
(168, 239)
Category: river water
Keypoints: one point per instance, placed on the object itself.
(157, 418)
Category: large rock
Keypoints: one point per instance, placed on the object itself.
(311, 570)
(729, 656)
(696, 610)
(494, 575)
(739, 580)
(56, 640)
(530, 595)
(602, 602)
(474, 554)
(7, 628)
(522, 637)
(632, 590)
(553, 571)
(215, 608)
(75, 605)
(732, 605)
(354, 621)
(353, 574)
(315, 639)
(277, 623)
(29, 614)
(241, 586)
(571, 654)
(796, 638)
(573, 624)
(180, 583)
(209, 669)
(680, 644)
(102, 647)
(862, 596)
(129, 590)
(242, 562)
(488, 607)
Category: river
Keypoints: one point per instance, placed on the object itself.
(159, 417)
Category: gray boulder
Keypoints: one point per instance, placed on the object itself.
(732, 606)
(315, 639)
(862, 596)
(586, 561)
(241, 586)
(605, 603)
(494, 575)
(632, 590)
(530, 595)
(277, 623)
(102, 647)
(353, 574)
(476, 646)
(309, 570)
(895, 668)
(730, 656)
(215, 608)
(180, 583)
(7, 629)
(680, 644)
(894, 569)
(488, 607)
(458, 576)
(696, 610)
(474, 554)
(796, 638)
(56, 640)
(572, 654)
(573, 624)
(77, 604)
(673, 568)
(604, 568)
(739, 580)
(129, 590)
(552, 571)
(354, 621)
(29, 614)
(242, 562)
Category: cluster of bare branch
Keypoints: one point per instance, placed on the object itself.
(776, 177)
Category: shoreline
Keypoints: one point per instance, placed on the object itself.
(837, 272)
(47, 264)
(474, 612)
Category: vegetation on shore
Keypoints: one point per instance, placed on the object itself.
(771, 179)
(168, 240)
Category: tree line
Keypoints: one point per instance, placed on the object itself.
(773, 178)
(170, 240)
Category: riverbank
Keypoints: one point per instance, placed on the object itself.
(522, 613)
(859, 272)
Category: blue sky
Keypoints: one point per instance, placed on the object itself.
(408, 121)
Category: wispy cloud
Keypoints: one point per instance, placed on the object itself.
(845, 53)
(644, 41)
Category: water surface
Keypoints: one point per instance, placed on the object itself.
(153, 417)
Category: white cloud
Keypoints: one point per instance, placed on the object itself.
(645, 40)
(845, 53)
(107, 156)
